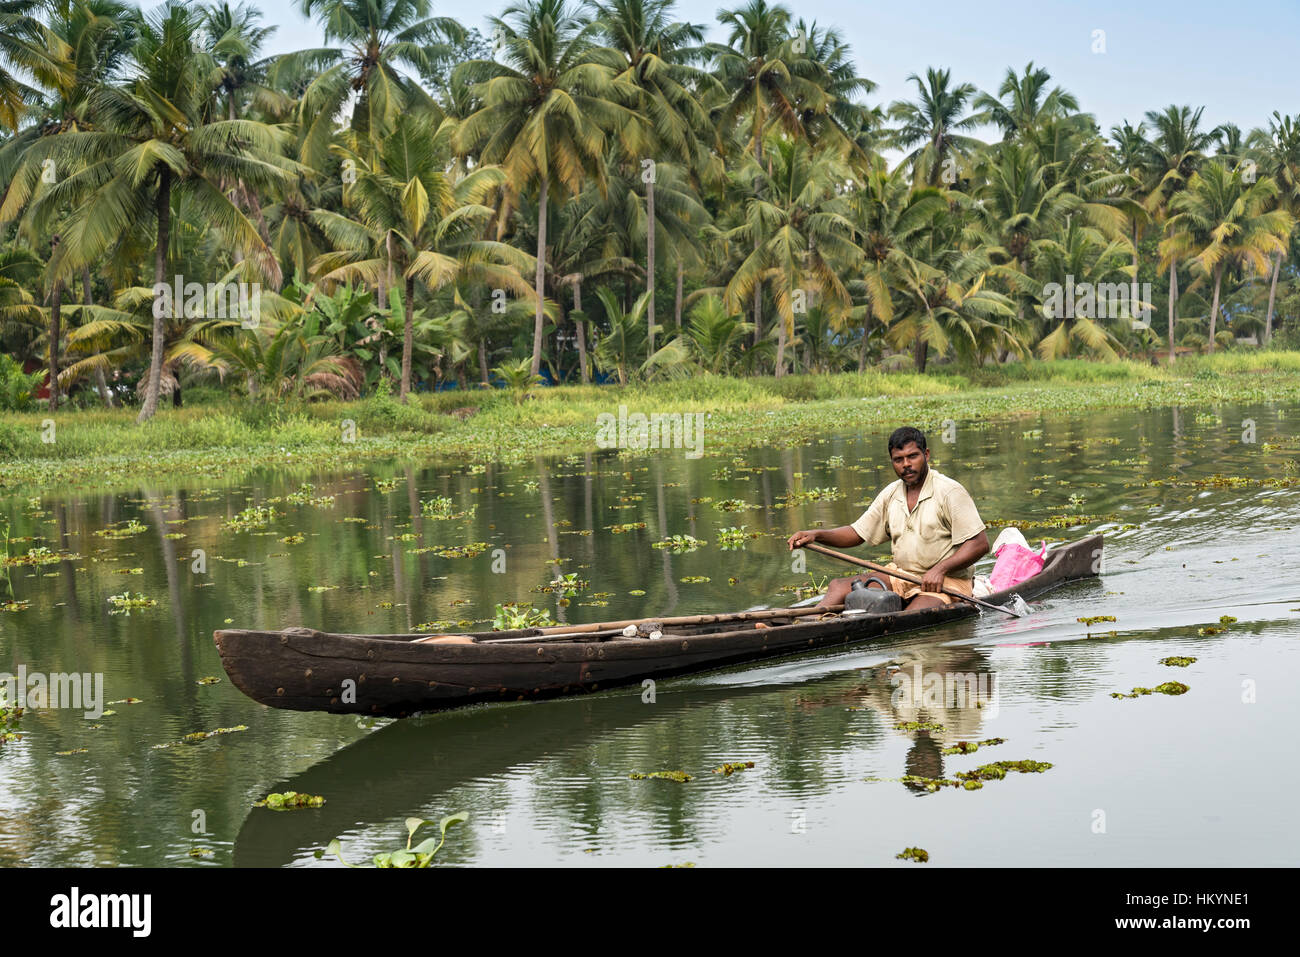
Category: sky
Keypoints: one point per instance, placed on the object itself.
(1237, 59)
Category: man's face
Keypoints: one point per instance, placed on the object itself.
(910, 464)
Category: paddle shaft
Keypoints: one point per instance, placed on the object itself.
(907, 578)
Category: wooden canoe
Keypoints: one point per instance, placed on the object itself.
(303, 669)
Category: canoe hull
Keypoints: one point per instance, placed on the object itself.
(303, 669)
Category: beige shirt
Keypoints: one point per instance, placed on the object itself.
(945, 516)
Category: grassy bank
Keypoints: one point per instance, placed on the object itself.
(219, 436)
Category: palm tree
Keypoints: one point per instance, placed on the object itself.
(149, 149)
(654, 54)
(801, 235)
(28, 44)
(930, 127)
(1084, 257)
(1173, 153)
(888, 215)
(546, 117)
(1221, 221)
(412, 219)
(1280, 147)
(1024, 103)
(945, 296)
(375, 40)
(716, 335)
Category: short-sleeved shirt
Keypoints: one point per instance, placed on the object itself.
(945, 516)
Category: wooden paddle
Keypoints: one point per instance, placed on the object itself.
(1014, 613)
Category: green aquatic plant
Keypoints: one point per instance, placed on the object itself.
(421, 855)
(254, 516)
(970, 747)
(1177, 661)
(38, 556)
(1095, 619)
(1168, 687)
(998, 770)
(568, 584)
(680, 543)
(123, 603)
(511, 615)
(442, 507)
(289, 800)
(799, 496)
(918, 854)
(733, 505)
(731, 767)
(132, 527)
(919, 726)
(681, 777)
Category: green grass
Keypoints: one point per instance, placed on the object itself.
(216, 435)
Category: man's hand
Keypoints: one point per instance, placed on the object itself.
(800, 539)
(933, 579)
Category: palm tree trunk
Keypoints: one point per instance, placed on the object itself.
(1214, 304)
(582, 333)
(758, 309)
(1272, 298)
(650, 265)
(164, 205)
(780, 346)
(56, 332)
(1173, 304)
(101, 384)
(482, 361)
(677, 305)
(921, 353)
(541, 277)
(408, 339)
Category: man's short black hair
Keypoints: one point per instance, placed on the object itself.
(906, 434)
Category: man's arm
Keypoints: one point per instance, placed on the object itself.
(842, 537)
(968, 553)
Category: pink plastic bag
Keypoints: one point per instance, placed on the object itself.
(1014, 564)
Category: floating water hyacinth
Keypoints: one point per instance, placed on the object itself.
(38, 556)
(733, 505)
(132, 527)
(289, 800)
(511, 615)
(681, 777)
(680, 543)
(124, 602)
(917, 854)
(1169, 688)
(733, 538)
(254, 516)
(731, 767)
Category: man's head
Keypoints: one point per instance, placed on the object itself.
(909, 455)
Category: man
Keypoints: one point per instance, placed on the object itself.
(931, 520)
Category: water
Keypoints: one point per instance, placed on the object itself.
(1200, 778)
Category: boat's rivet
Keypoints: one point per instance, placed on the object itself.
(590, 651)
(472, 690)
(810, 641)
(329, 691)
(539, 651)
(600, 653)
(433, 684)
(370, 653)
(374, 708)
(396, 679)
(279, 691)
(284, 639)
(307, 673)
(334, 701)
(360, 678)
(520, 698)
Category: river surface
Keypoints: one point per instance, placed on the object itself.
(1206, 778)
